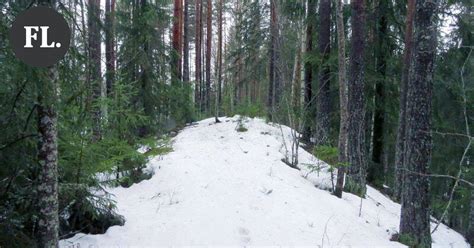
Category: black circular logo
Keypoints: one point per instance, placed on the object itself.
(40, 36)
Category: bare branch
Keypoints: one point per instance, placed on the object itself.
(468, 133)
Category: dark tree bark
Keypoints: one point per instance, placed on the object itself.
(400, 143)
(186, 42)
(95, 78)
(274, 86)
(208, 55)
(202, 86)
(324, 99)
(357, 158)
(342, 144)
(381, 51)
(110, 44)
(48, 222)
(308, 74)
(177, 41)
(197, 89)
(415, 213)
(219, 55)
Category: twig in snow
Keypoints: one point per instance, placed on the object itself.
(325, 234)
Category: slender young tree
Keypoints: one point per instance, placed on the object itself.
(48, 203)
(324, 99)
(186, 42)
(296, 82)
(400, 143)
(415, 212)
(110, 44)
(308, 72)
(357, 158)
(342, 144)
(95, 78)
(48, 222)
(208, 55)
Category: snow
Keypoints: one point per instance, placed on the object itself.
(220, 187)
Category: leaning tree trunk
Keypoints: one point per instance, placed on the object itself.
(415, 213)
(95, 78)
(357, 158)
(308, 74)
(324, 99)
(400, 143)
(342, 144)
(48, 222)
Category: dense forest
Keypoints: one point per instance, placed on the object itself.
(383, 89)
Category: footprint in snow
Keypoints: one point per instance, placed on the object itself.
(244, 235)
(243, 231)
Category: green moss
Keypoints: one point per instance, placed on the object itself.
(242, 129)
(158, 151)
(414, 242)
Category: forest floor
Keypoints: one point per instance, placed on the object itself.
(224, 187)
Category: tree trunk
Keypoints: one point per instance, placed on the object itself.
(177, 45)
(356, 176)
(95, 79)
(381, 50)
(48, 223)
(110, 44)
(186, 42)
(308, 74)
(296, 85)
(202, 87)
(219, 56)
(208, 55)
(342, 144)
(415, 213)
(401, 134)
(274, 87)
(197, 90)
(324, 99)
(145, 76)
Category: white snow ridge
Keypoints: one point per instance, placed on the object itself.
(220, 187)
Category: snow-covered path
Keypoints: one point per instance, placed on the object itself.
(221, 187)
